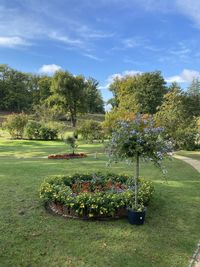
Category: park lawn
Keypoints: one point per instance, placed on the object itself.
(32, 237)
(189, 154)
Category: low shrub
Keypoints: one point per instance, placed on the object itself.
(15, 125)
(36, 130)
(91, 130)
(48, 133)
(94, 195)
(32, 130)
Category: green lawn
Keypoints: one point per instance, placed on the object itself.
(32, 237)
(189, 154)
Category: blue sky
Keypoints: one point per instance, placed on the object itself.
(102, 38)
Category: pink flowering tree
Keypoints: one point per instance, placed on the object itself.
(139, 139)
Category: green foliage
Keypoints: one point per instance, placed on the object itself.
(175, 117)
(94, 101)
(47, 133)
(38, 130)
(32, 130)
(97, 203)
(194, 88)
(14, 92)
(71, 142)
(15, 125)
(68, 94)
(91, 130)
(141, 93)
(192, 98)
(63, 92)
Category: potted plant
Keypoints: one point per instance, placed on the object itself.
(139, 138)
(136, 214)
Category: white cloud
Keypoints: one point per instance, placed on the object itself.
(108, 107)
(191, 8)
(123, 74)
(47, 22)
(65, 39)
(49, 69)
(111, 78)
(132, 42)
(93, 57)
(186, 76)
(12, 41)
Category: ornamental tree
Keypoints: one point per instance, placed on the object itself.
(138, 139)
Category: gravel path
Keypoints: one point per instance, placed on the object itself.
(193, 162)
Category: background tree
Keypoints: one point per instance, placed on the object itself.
(94, 99)
(179, 124)
(14, 92)
(192, 98)
(141, 93)
(68, 93)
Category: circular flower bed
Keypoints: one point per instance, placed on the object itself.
(93, 195)
(67, 156)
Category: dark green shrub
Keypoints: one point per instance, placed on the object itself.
(48, 133)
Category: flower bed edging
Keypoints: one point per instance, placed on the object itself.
(67, 212)
(67, 156)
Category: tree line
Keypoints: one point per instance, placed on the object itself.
(63, 91)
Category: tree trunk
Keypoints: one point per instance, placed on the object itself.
(73, 120)
(136, 179)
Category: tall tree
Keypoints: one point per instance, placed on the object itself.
(68, 93)
(192, 98)
(194, 88)
(93, 96)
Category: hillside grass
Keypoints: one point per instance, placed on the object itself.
(32, 237)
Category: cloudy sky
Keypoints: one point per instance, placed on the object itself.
(102, 38)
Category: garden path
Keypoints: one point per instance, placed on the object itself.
(193, 162)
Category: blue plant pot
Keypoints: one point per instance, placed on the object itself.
(136, 217)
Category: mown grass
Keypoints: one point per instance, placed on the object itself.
(32, 237)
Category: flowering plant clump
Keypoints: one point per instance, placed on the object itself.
(138, 138)
(94, 195)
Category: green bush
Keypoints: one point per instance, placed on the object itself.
(48, 133)
(82, 193)
(32, 130)
(91, 130)
(15, 125)
(35, 130)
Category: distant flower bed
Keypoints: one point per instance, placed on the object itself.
(93, 195)
(67, 156)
